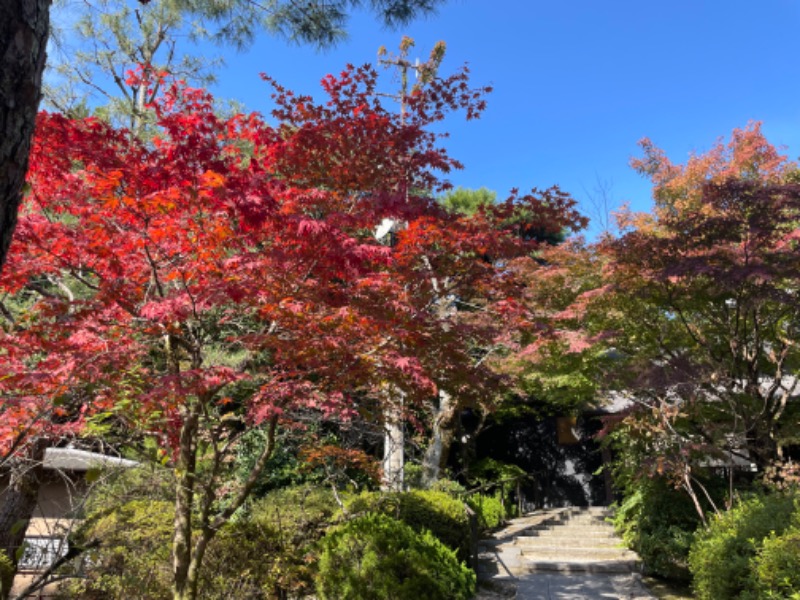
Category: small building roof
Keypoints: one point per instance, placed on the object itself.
(72, 459)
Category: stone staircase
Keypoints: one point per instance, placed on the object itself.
(566, 541)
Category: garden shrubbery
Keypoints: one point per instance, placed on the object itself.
(741, 553)
(267, 552)
(658, 522)
(6, 574)
(438, 512)
(271, 549)
(377, 556)
(284, 545)
(134, 560)
(489, 509)
(776, 572)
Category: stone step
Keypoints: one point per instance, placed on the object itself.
(577, 530)
(584, 519)
(530, 541)
(584, 530)
(598, 512)
(571, 553)
(576, 567)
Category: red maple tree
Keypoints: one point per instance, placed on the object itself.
(227, 272)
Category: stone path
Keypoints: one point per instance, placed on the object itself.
(561, 554)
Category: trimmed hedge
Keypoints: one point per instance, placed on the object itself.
(441, 514)
(376, 556)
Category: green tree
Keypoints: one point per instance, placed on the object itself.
(710, 283)
(706, 306)
(465, 201)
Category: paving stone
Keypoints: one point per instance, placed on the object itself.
(562, 554)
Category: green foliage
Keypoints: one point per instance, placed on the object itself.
(438, 512)
(722, 555)
(776, 574)
(464, 201)
(271, 551)
(7, 571)
(449, 487)
(658, 522)
(376, 556)
(489, 472)
(656, 517)
(413, 475)
(284, 468)
(134, 559)
(490, 510)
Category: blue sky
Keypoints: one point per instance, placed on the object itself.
(577, 82)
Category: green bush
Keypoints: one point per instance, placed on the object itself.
(449, 487)
(7, 571)
(502, 476)
(271, 551)
(441, 514)
(777, 566)
(658, 522)
(490, 510)
(268, 552)
(133, 561)
(376, 556)
(722, 556)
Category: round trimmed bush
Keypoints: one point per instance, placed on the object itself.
(438, 512)
(376, 556)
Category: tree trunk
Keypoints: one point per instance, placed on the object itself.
(17, 505)
(24, 28)
(393, 442)
(184, 503)
(444, 428)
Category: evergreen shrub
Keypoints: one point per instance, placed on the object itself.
(777, 566)
(722, 556)
(271, 548)
(133, 561)
(438, 512)
(376, 556)
(6, 574)
(658, 522)
(269, 551)
(490, 510)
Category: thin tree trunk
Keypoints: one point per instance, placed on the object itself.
(24, 28)
(438, 451)
(393, 441)
(184, 500)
